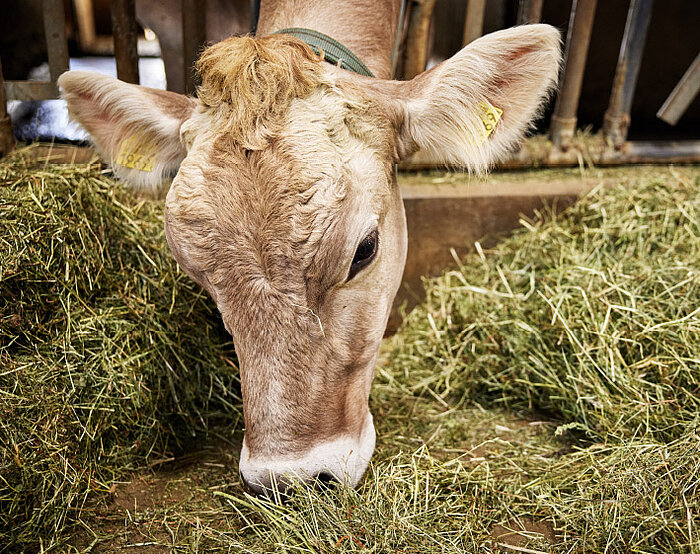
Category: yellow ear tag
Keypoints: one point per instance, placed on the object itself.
(489, 115)
(137, 152)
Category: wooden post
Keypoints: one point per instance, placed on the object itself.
(7, 137)
(193, 37)
(86, 23)
(55, 31)
(474, 21)
(416, 53)
(125, 32)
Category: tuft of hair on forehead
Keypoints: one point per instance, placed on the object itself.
(253, 81)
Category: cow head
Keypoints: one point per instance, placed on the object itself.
(285, 208)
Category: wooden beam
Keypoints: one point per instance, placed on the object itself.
(125, 32)
(55, 31)
(474, 21)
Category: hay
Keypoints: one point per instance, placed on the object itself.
(544, 398)
(593, 317)
(590, 320)
(111, 358)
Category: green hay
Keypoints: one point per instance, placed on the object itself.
(544, 398)
(593, 317)
(111, 357)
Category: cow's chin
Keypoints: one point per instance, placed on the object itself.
(343, 460)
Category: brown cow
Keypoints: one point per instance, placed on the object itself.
(285, 206)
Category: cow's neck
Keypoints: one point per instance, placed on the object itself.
(367, 27)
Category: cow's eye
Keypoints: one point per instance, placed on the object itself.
(364, 254)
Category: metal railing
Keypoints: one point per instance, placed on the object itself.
(614, 148)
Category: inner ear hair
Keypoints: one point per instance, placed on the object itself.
(474, 108)
(135, 129)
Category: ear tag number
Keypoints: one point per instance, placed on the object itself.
(489, 115)
(137, 152)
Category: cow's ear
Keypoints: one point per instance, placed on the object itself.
(471, 109)
(136, 129)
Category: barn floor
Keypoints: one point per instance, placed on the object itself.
(543, 398)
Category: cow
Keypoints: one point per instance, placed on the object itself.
(285, 207)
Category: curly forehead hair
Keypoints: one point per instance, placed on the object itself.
(252, 81)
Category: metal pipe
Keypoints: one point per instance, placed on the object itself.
(631, 152)
(651, 151)
(578, 38)
(55, 32)
(617, 117)
(193, 37)
(474, 21)
(529, 11)
(682, 94)
(7, 137)
(125, 33)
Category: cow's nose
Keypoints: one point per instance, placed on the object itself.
(276, 487)
(340, 461)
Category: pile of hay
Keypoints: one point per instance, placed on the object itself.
(589, 320)
(593, 317)
(110, 357)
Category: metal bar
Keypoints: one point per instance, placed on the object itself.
(682, 94)
(125, 32)
(617, 117)
(529, 11)
(631, 152)
(193, 37)
(638, 151)
(30, 90)
(7, 137)
(474, 21)
(55, 31)
(577, 41)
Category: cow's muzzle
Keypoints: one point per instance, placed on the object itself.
(341, 461)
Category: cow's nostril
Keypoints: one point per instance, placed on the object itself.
(273, 489)
(256, 489)
(326, 480)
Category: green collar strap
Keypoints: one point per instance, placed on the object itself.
(333, 52)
